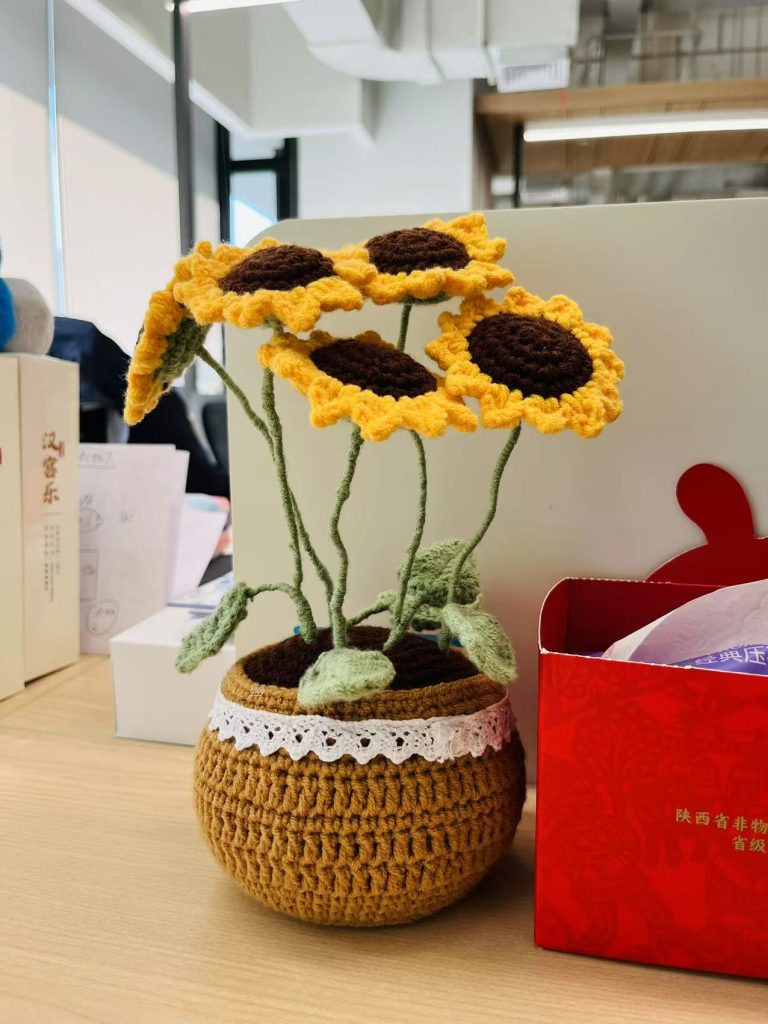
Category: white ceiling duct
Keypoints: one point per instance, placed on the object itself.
(374, 39)
(427, 41)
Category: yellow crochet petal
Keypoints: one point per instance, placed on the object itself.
(595, 337)
(466, 379)
(288, 359)
(460, 416)
(162, 319)
(323, 388)
(448, 349)
(332, 292)
(547, 415)
(563, 311)
(428, 418)
(474, 279)
(500, 409)
(141, 398)
(471, 311)
(377, 416)
(607, 360)
(472, 231)
(298, 309)
(421, 284)
(329, 402)
(522, 303)
(351, 264)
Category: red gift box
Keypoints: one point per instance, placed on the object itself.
(652, 788)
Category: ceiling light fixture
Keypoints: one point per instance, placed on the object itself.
(205, 6)
(650, 124)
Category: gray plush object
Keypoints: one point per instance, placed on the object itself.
(34, 320)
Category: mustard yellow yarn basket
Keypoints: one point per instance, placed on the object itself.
(347, 843)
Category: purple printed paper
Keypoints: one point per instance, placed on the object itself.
(751, 658)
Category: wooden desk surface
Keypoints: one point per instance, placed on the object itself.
(112, 910)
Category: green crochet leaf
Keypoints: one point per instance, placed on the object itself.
(212, 633)
(428, 586)
(429, 617)
(344, 674)
(433, 570)
(387, 598)
(484, 640)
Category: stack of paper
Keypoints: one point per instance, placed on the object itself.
(141, 542)
(130, 508)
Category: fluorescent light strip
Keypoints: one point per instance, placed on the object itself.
(202, 6)
(655, 124)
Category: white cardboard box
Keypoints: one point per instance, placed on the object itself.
(46, 596)
(11, 560)
(153, 701)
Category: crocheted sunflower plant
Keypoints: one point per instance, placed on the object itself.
(339, 700)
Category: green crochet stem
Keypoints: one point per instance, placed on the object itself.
(399, 622)
(366, 613)
(498, 472)
(405, 316)
(239, 394)
(338, 622)
(318, 563)
(303, 608)
(276, 430)
(263, 429)
(409, 608)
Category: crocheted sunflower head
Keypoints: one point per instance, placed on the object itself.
(367, 380)
(433, 262)
(272, 281)
(533, 360)
(167, 345)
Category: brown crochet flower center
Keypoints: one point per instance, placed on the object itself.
(530, 354)
(384, 371)
(400, 252)
(278, 268)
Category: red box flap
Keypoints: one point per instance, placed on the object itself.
(581, 615)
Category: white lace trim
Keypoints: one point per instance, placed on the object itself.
(434, 739)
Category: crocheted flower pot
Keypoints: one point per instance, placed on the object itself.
(374, 812)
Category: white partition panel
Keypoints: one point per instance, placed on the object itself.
(683, 288)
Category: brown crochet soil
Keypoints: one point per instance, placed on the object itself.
(418, 661)
(384, 371)
(530, 354)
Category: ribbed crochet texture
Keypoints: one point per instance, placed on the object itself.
(352, 844)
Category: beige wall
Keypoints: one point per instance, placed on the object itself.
(682, 287)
